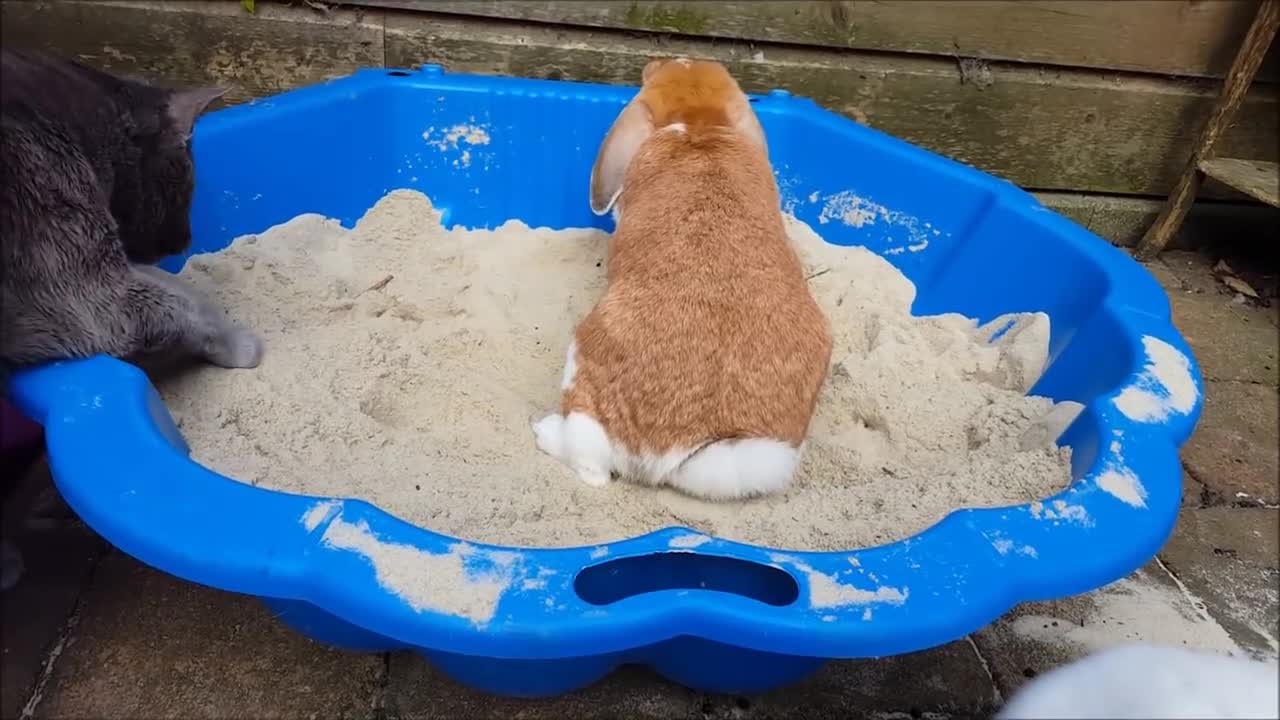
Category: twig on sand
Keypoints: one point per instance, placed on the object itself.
(377, 286)
(820, 273)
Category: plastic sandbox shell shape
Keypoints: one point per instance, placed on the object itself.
(708, 613)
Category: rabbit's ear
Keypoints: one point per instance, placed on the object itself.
(633, 126)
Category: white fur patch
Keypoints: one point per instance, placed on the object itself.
(579, 441)
(1148, 681)
(723, 470)
(570, 366)
(548, 435)
(677, 127)
(738, 468)
(648, 468)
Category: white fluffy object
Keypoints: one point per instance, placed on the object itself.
(1151, 682)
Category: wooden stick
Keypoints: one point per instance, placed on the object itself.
(377, 286)
(1234, 87)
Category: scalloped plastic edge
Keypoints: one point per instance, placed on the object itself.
(122, 465)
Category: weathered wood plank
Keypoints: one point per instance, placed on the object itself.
(1066, 130)
(1175, 37)
(1069, 130)
(1225, 108)
(1255, 178)
(1123, 220)
(192, 43)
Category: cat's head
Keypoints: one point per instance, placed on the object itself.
(153, 206)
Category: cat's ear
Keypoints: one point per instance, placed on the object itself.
(187, 105)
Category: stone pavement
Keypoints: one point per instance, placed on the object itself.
(92, 633)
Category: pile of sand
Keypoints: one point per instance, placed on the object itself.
(405, 361)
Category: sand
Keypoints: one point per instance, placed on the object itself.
(404, 363)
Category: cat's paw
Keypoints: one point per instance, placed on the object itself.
(238, 347)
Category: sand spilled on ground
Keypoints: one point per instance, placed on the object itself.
(405, 361)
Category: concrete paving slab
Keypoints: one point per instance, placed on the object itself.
(1230, 341)
(1223, 349)
(417, 691)
(1192, 491)
(947, 681)
(36, 611)
(1148, 606)
(1233, 450)
(1195, 272)
(148, 645)
(1195, 269)
(1230, 558)
(59, 555)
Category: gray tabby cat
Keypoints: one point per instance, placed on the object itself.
(97, 185)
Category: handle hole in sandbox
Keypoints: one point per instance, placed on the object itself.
(619, 579)
(399, 73)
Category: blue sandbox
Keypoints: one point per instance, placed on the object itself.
(711, 614)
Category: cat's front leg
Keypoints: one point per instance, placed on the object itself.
(172, 315)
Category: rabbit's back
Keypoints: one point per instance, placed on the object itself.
(708, 330)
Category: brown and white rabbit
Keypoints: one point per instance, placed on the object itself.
(701, 365)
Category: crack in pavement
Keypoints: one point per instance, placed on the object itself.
(65, 636)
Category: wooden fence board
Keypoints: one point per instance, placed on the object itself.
(1124, 220)
(1175, 37)
(190, 43)
(1051, 130)
(1048, 130)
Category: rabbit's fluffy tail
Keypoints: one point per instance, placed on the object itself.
(732, 469)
